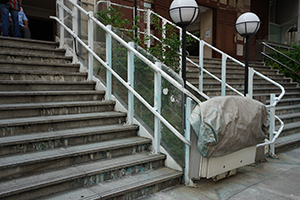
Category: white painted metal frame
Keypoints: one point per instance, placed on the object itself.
(158, 74)
(224, 85)
(156, 110)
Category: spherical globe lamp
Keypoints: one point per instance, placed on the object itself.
(184, 12)
(247, 24)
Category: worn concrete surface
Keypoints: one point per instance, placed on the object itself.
(275, 179)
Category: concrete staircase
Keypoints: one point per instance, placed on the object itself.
(288, 108)
(59, 138)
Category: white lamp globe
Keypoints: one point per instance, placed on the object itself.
(183, 12)
(247, 24)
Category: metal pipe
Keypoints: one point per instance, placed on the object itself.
(183, 75)
(246, 66)
(137, 95)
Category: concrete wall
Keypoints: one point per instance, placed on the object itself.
(288, 12)
(206, 30)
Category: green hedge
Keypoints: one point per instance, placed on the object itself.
(294, 54)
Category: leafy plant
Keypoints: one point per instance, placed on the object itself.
(167, 51)
(294, 53)
(114, 16)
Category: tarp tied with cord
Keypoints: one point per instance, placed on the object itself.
(227, 124)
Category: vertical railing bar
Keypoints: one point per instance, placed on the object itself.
(180, 52)
(272, 124)
(163, 24)
(157, 107)
(149, 28)
(75, 30)
(223, 87)
(91, 45)
(201, 49)
(130, 79)
(187, 179)
(108, 93)
(250, 83)
(62, 19)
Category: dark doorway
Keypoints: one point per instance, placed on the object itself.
(41, 29)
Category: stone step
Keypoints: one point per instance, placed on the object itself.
(216, 70)
(54, 108)
(23, 75)
(288, 101)
(290, 117)
(229, 67)
(219, 60)
(131, 187)
(27, 42)
(280, 110)
(286, 142)
(63, 138)
(14, 97)
(81, 176)
(19, 126)
(290, 128)
(194, 77)
(32, 163)
(31, 49)
(38, 66)
(6, 85)
(16, 56)
(240, 85)
(287, 96)
(257, 91)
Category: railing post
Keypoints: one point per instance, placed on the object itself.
(223, 87)
(61, 30)
(157, 107)
(180, 52)
(272, 125)
(149, 28)
(187, 134)
(91, 45)
(130, 78)
(75, 30)
(250, 83)
(163, 24)
(109, 63)
(201, 49)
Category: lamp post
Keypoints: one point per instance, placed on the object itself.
(247, 25)
(183, 13)
(135, 15)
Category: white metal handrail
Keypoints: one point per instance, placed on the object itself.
(225, 56)
(129, 85)
(165, 21)
(136, 53)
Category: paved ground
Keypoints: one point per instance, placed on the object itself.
(275, 179)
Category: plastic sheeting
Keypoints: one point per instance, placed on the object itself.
(227, 124)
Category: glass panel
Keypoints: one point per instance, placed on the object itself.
(119, 65)
(100, 50)
(172, 112)
(275, 33)
(143, 84)
(82, 21)
(68, 23)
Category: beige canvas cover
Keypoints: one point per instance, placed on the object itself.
(227, 124)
